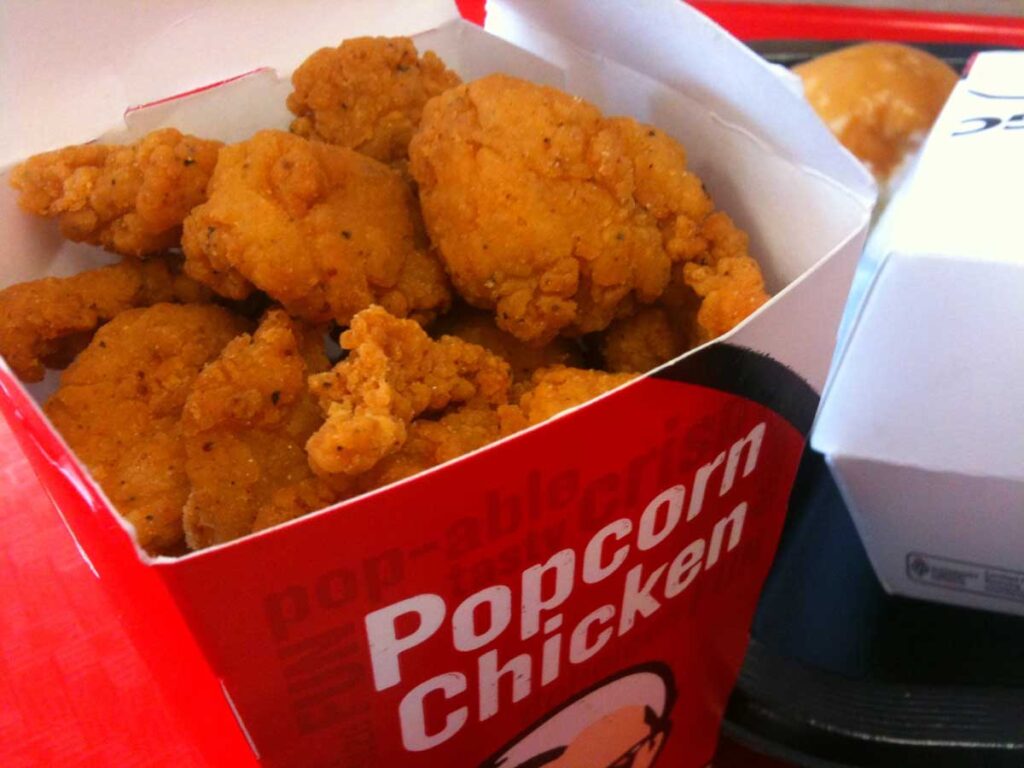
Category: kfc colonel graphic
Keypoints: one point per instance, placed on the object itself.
(622, 722)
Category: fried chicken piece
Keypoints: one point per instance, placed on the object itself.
(246, 423)
(129, 199)
(643, 341)
(430, 443)
(323, 230)
(394, 373)
(706, 298)
(119, 408)
(467, 428)
(477, 327)
(559, 219)
(367, 94)
(43, 323)
(727, 280)
(556, 389)
(299, 499)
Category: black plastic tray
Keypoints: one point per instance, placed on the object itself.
(841, 674)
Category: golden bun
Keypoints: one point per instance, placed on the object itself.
(879, 99)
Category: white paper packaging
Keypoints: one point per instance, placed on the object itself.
(923, 418)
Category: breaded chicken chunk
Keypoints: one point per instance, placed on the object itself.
(725, 277)
(477, 327)
(129, 199)
(430, 443)
(557, 218)
(707, 297)
(323, 230)
(463, 429)
(38, 316)
(394, 373)
(555, 389)
(119, 408)
(367, 94)
(642, 341)
(246, 423)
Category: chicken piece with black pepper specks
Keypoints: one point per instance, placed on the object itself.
(39, 317)
(323, 230)
(119, 408)
(556, 218)
(394, 373)
(129, 199)
(246, 423)
(367, 94)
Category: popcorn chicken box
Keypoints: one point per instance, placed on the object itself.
(922, 421)
(579, 593)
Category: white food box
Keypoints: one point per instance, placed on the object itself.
(922, 420)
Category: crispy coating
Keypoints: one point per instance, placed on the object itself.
(467, 428)
(119, 408)
(367, 94)
(642, 341)
(557, 218)
(298, 499)
(555, 389)
(726, 278)
(477, 327)
(129, 199)
(394, 373)
(707, 297)
(430, 443)
(323, 230)
(245, 424)
(44, 323)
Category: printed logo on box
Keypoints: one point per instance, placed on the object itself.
(621, 722)
(962, 576)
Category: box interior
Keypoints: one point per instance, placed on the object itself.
(797, 216)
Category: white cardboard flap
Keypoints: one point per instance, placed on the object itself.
(931, 376)
(68, 70)
(957, 539)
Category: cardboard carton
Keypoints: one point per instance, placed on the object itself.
(599, 571)
(922, 421)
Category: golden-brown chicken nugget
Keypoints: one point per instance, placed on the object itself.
(129, 199)
(431, 442)
(706, 297)
(119, 409)
(323, 230)
(556, 389)
(478, 327)
(643, 341)
(542, 209)
(726, 278)
(367, 94)
(394, 372)
(35, 317)
(246, 423)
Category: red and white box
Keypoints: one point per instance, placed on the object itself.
(588, 582)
